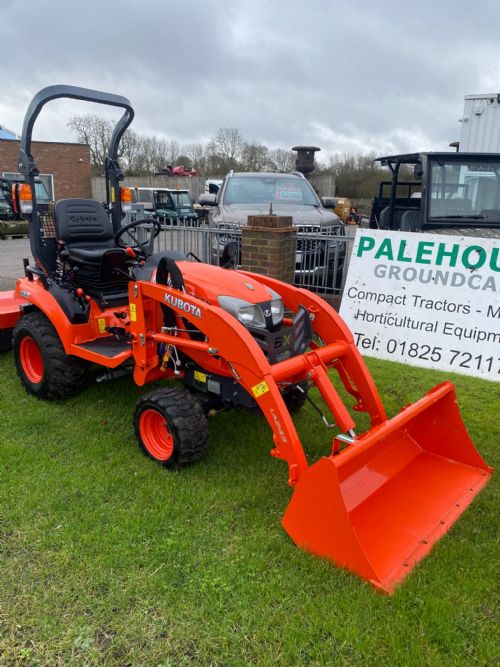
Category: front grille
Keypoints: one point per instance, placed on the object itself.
(308, 245)
(308, 229)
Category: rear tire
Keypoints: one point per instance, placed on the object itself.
(41, 362)
(170, 427)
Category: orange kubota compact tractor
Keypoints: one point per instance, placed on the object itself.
(96, 293)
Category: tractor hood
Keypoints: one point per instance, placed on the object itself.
(209, 282)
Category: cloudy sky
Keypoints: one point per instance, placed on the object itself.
(363, 75)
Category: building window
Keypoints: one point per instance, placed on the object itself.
(47, 180)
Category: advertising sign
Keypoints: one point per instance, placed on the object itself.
(430, 300)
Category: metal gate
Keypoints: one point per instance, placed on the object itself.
(321, 257)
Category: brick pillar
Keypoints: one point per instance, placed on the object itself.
(268, 246)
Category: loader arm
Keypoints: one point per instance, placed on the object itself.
(331, 328)
(227, 340)
(245, 361)
(379, 500)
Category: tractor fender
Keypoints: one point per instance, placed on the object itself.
(60, 306)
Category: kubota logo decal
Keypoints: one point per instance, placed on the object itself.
(83, 219)
(278, 426)
(188, 308)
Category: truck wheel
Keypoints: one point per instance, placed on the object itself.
(170, 427)
(42, 364)
(295, 398)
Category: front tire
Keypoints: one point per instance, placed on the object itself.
(295, 396)
(171, 427)
(43, 366)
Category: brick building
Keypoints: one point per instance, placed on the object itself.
(64, 167)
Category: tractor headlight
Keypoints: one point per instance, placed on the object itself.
(249, 314)
(277, 307)
(277, 311)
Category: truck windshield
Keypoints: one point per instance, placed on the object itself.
(181, 199)
(465, 190)
(163, 199)
(269, 189)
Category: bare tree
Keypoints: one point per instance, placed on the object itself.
(142, 155)
(138, 154)
(173, 151)
(356, 174)
(154, 156)
(224, 149)
(255, 157)
(96, 132)
(131, 148)
(282, 159)
(197, 154)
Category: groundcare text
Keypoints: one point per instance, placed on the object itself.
(427, 300)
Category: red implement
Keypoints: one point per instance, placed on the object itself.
(10, 312)
(10, 309)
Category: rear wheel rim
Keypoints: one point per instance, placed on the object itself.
(155, 434)
(31, 360)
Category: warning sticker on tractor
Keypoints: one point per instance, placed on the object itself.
(260, 389)
(200, 377)
(102, 325)
(133, 312)
(430, 300)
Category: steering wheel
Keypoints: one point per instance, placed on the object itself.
(145, 248)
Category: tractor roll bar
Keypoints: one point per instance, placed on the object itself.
(42, 252)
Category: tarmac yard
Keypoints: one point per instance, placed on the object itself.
(12, 252)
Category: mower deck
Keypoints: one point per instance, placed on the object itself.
(10, 309)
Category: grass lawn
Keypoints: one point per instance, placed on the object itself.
(108, 559)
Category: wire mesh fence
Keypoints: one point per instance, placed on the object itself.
(321, 255)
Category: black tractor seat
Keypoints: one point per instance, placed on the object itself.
(85, 228)
(98, 265)
(90, 255)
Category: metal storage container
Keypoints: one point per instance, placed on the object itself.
(481, 124)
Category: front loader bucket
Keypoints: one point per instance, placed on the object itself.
(379, 506)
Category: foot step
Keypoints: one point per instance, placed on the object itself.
(108, 347)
